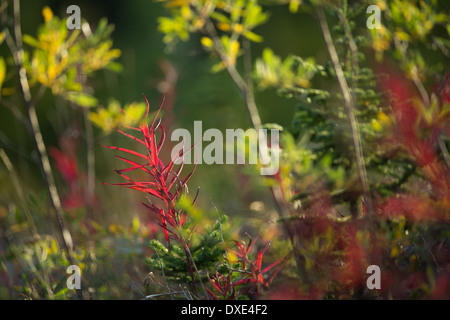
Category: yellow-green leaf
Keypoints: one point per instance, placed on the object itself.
(253, 36)
(82, 99)
(30, 40)
(207, 42)
(293, 5)
(47, 13)
(2, 71)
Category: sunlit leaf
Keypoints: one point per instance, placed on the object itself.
(2, 71)
(83, 99)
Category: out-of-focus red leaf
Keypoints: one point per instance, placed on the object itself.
(65, 164)
(414, 207)
(441, 288)
(407, 127)
(352, 272)
(73, 200)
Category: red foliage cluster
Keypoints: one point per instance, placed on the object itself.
(338, 269)
(66, 164)
(254, 276)
(409, 133)
(165, 184)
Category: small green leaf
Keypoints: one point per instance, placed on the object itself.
(2, 71)
(273, 126)
(220, 17)
(253, 36)
(30, 41)
(82, 99)
(293, 5)
(218, 67)
(114, 66)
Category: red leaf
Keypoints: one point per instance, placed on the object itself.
(243, 281)
(125, 150)
(155, 168)
(130, 136)
(268, 268)
(148, 106)
(66, 165)
(161, 141)
(137, 165)
(215, 283)
(159, 109)
(153, 147)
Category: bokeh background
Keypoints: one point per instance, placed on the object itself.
(200, 94)
(111, 237)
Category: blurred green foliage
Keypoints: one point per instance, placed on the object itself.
(322, 228)
(114, 116)
(318, 171)
(58, 59)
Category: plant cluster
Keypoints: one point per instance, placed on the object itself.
(364, 173)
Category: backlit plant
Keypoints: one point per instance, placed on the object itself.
(364, 175)
(198, 251)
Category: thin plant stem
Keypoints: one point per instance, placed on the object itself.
(90, 146)
(401, 47)
(221, 232)
(235, 76)
(163, 274)
(90, 160)
(8, 144)
(250, 96)
(431, 252)
(191, 258)
(444, 151)
(164, 294)
(421, 89)
(9, 105)
(18, 53)
(246, 88)
(15, 181)
(350, 106)
(245, 85)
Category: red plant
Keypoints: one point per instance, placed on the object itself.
(66, 163)
(223, 285)
(252, 269)
(256, 278)
(408, 134)
(164, 183)
(166, 186)
(354, 258)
